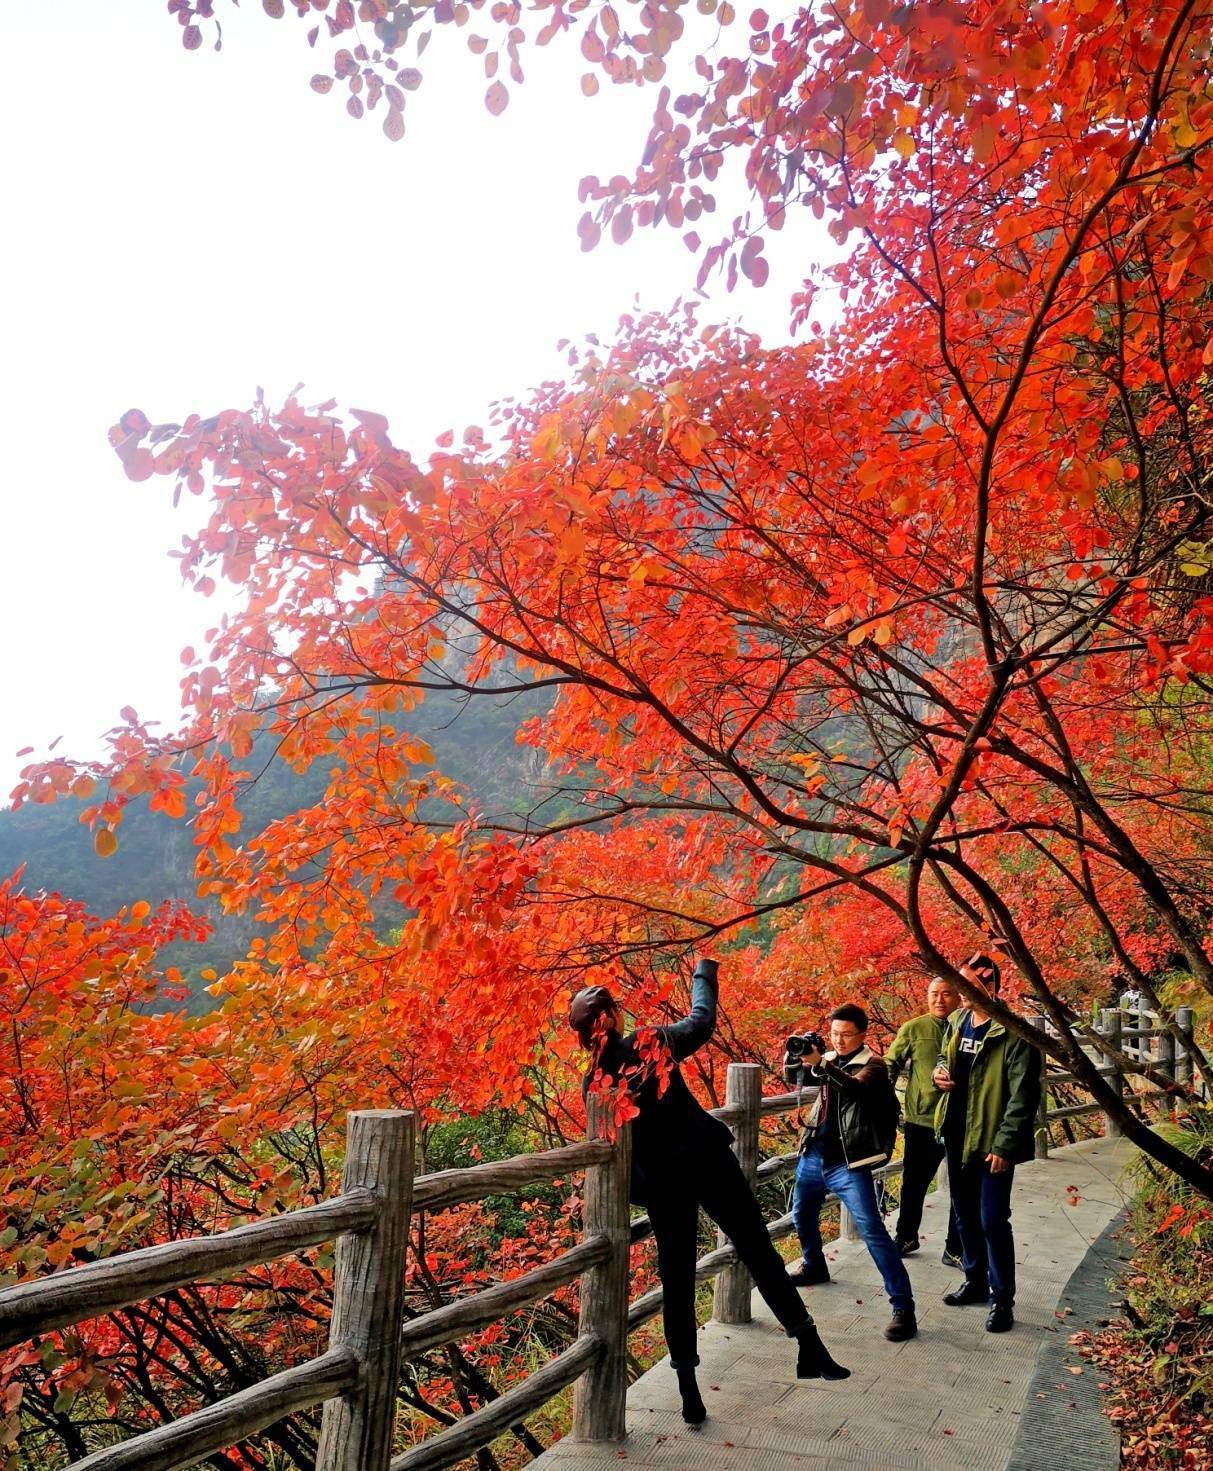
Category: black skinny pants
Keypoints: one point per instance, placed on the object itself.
(716, 1183)
(982, 1202)
(923, 1156)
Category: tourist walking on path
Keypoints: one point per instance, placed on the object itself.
(851, 1127)
(914, 1055)
(681, 1160)
(990, 1081)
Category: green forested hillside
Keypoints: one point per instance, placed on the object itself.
(472, 742)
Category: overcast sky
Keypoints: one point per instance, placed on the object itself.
(181, 227)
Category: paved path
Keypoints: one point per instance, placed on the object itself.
(949, 1400)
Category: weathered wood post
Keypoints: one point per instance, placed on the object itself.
(1110, 1027)
(1185, 1070)
(743, 1093)
(1131, 1021)
(1166, 1060)
(1042, 1112)
(600, 1398)
(368, 1293)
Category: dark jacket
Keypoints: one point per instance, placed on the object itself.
(673, 1134)
(1003, 1096)
(860, 1090)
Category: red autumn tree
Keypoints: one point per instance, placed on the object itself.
(859, 653)
(914, 608)
(125, 1122)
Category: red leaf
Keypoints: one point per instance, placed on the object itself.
(376, 423)
(139, 464)
(589, 231)
(753, 263)
(496, 99)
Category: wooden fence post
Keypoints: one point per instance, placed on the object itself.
(600, 1398)
(743, 1092)
(368, 1293)
(1110, 1027)
(1132, 1021)
(1185, 1070)
(1166, 1062)
(1042, 1112)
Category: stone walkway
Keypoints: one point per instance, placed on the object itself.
(949, 1400)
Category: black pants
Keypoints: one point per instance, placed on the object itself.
(923, 1155)
(982, 1202)
(717, 1184)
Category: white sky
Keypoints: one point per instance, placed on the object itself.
(183, 227)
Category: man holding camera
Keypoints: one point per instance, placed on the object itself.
(852, 1126)
(990, 1081)
(914, 1053)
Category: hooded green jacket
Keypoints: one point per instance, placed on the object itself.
(1004, 1093)
(914, 1054)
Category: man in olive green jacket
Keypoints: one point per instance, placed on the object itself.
(990, 1081)
(914, 1055)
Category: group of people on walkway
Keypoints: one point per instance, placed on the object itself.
(972, 1096)
(972, 1091)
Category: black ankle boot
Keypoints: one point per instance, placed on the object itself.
(694, 1411)
(813, 1359)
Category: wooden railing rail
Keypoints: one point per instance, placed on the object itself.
(214, 1428)
(1175, 1064)
(501, 1414)
(356, 1379)
(504, 1176)
(70, 1296)
(447, 1325)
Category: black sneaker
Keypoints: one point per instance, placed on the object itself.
(968, 1292)
(952, 1259)
(907, 1248)
(806, 1275)
(1001, 1319)
(902, 1325)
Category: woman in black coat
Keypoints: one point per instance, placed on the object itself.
(682, 1160)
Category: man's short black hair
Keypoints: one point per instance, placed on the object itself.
(986, 969)
(856, 1015)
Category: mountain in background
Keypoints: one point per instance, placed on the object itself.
(473, 741)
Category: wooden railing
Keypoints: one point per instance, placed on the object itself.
(356, 1378)
(1143, 1035)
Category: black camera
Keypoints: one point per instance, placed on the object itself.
(804, 1042)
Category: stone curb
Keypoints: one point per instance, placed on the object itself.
(1063, 1423)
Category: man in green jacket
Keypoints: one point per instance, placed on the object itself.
(990, 1081)
(914, 1055)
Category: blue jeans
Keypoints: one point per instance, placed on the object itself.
(982, 1202)
(856, 1190)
